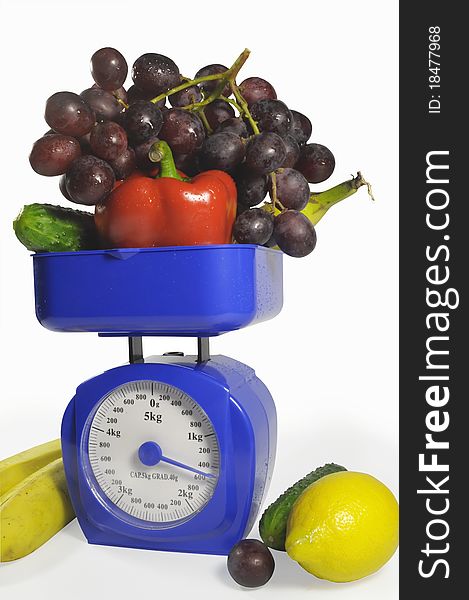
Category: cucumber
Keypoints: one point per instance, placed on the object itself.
(273, 523)
(47, 228)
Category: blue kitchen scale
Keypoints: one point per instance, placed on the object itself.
(169, 452)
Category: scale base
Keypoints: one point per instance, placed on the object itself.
(243, 414)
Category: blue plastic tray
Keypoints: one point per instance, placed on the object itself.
(172, 291)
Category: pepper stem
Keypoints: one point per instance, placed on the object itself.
(161, 153)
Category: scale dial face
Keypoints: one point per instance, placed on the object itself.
(152, 452)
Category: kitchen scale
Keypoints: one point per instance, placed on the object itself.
(168, 452)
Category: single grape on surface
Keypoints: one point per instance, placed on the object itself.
(265, 153)
(292, 188)
(222, 151)
(89, 180)
(255, 88)
(253, 226)
(272, 115)
(109, 68)
(108, 140)
(294, 233)
(69, 114)
(182, 130)
(155, 73)
(250, 563)
(142, 120)
(54, 153)
(316, 162)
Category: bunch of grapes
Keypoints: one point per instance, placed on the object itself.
(104, 134)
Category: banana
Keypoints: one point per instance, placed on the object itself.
(320, 202)
(33, 511)
(15, 468)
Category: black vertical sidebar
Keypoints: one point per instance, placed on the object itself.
(434, 270)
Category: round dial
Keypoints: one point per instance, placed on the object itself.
(153, 453)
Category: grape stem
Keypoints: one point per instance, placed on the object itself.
(233, 103)
(275, 202)
(121, 102)
(244, 106)
(124, 104)
(224, 78)
(204, 120)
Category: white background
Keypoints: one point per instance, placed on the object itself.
(330, 357)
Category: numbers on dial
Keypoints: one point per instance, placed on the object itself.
(173, 483)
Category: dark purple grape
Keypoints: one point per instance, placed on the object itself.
(190, 95)
(271, 243)
(265, 153)
(294, 233)
(104, 104)
(134, 94)
(108, 140)
(189, 164)
(251, 188)
(209, 86)
(272, 115)
(85, 146)
(222, 151)
(183, 131)
(292, 188)
(254, 88)
(250, 563)
(89, 180)
(141, 153)
(235, 125)
(155, 73)
(142, 120)
(217, 112)
(316, 162)
(124, 164)
(293, 151)
(253, 226)
(53, 154)
(63, 187)
(301, 127)
(69, 114)
(109, 68)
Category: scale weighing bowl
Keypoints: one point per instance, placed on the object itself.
(198, 291)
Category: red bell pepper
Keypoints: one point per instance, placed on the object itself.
(168, 210)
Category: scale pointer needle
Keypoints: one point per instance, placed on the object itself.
(186, 467)
(150, 454)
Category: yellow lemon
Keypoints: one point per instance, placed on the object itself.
(343, 527)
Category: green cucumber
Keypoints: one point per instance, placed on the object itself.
(48, 228)
(273, 523)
